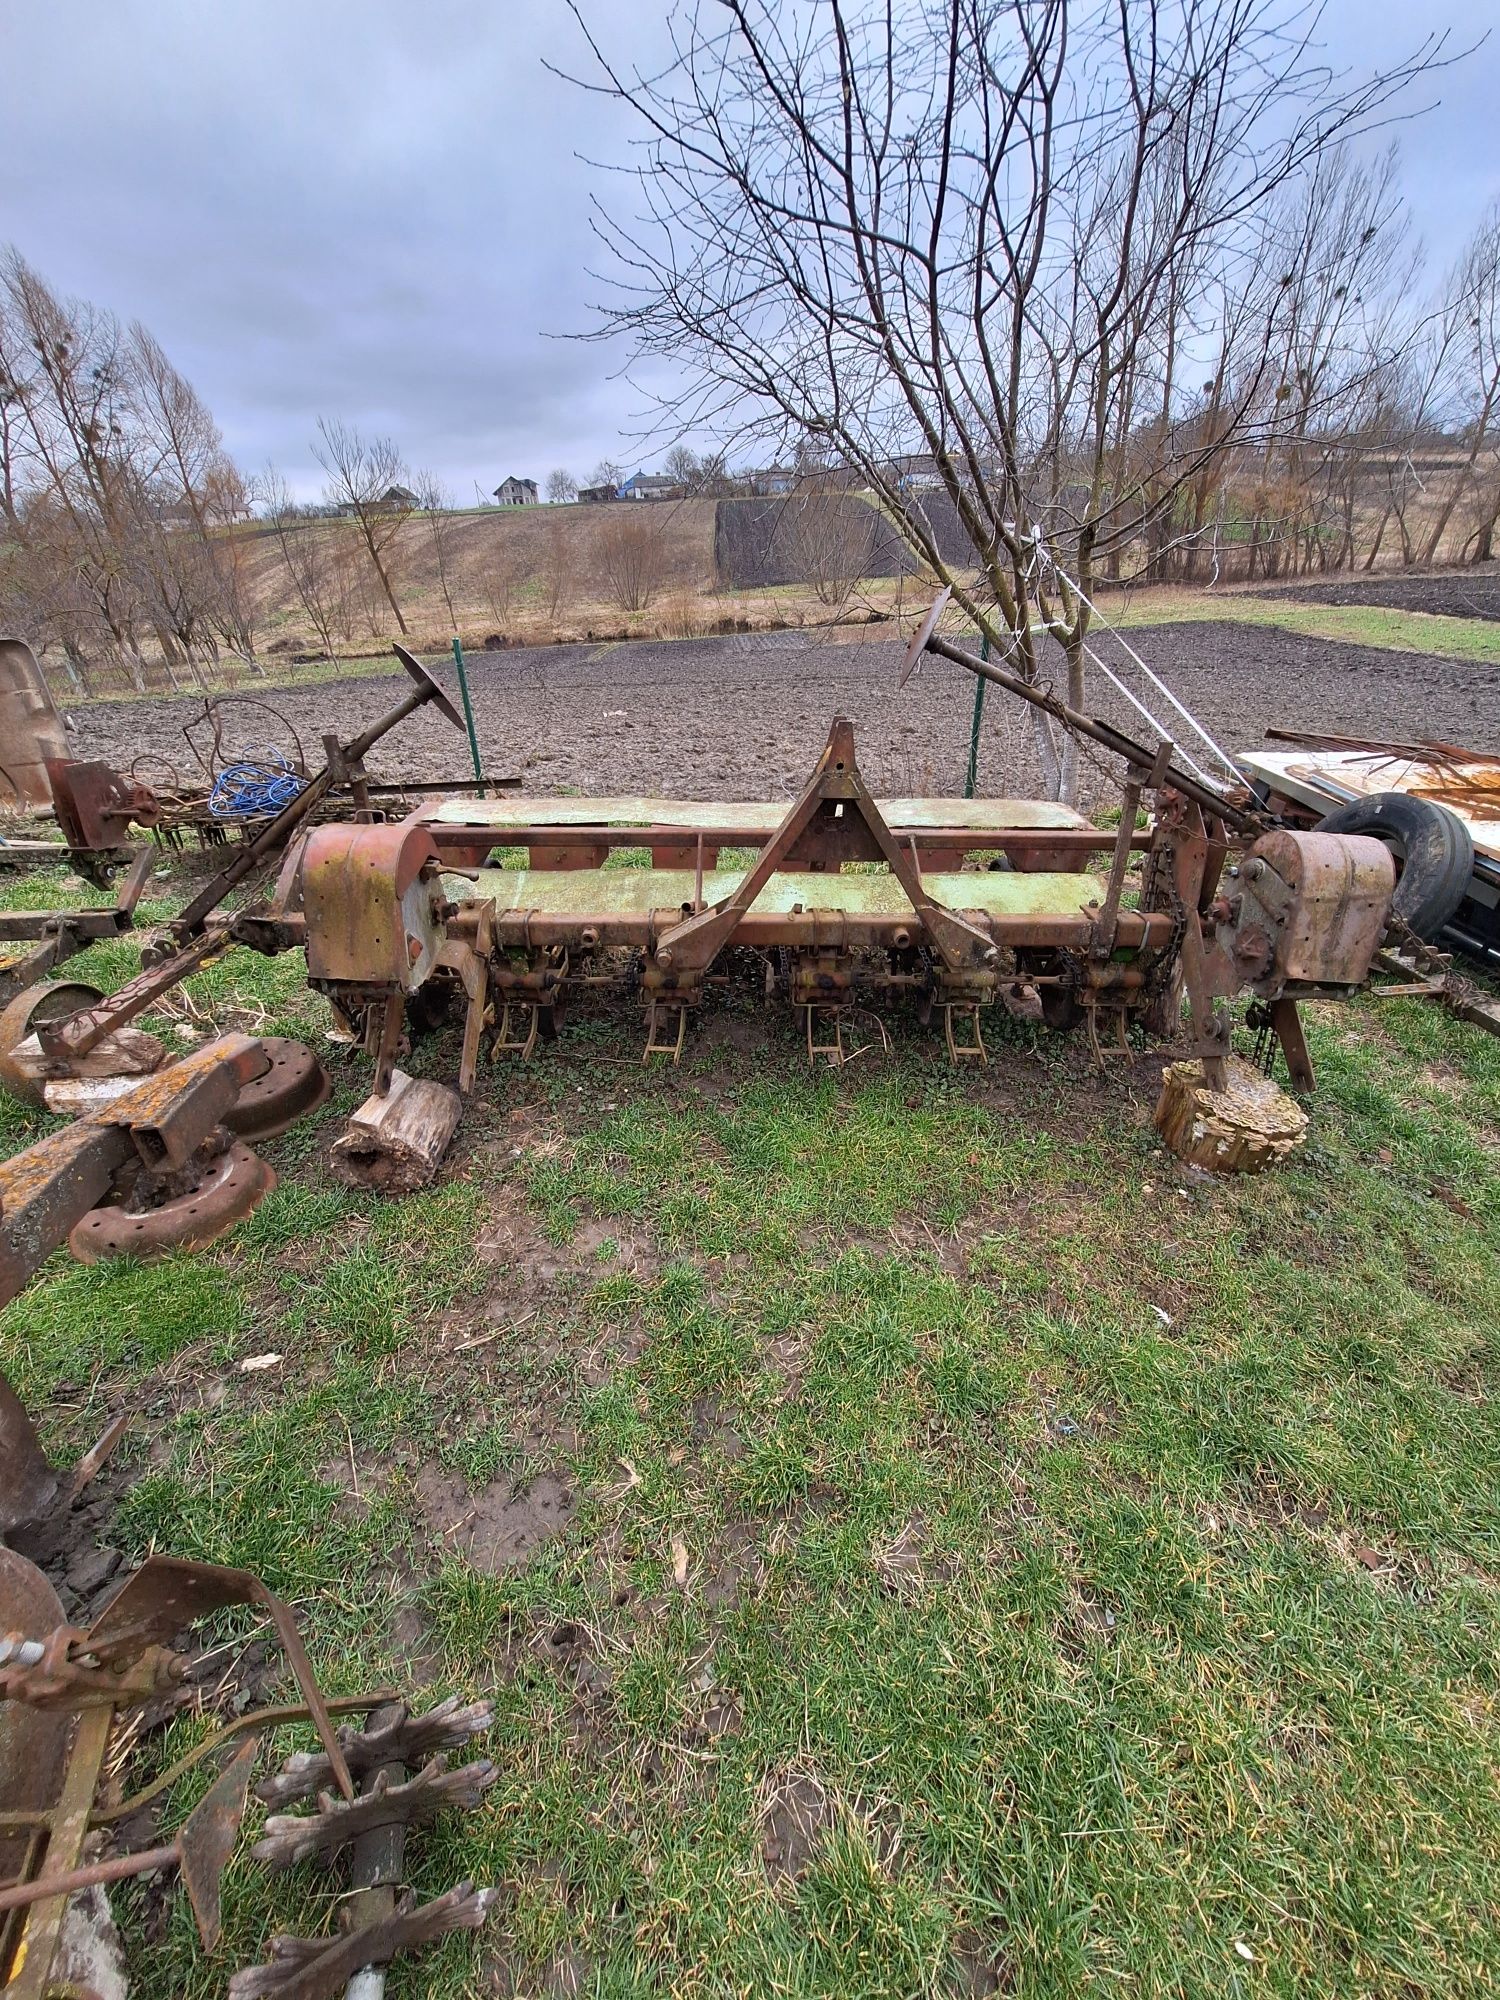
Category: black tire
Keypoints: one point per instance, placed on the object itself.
(1433, 849)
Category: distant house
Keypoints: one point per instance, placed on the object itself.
(649, 486)
(773, 480)
(515, 492)
(211, 509)
(397, 500)
(595, 496)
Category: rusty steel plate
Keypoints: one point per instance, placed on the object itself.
(756, 817)
(295, 1084)
(590, 891)
(233, 1186)
(29, 1485)
(33, 1741)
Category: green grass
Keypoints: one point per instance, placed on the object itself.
(1090, 1569)
(1475, 639)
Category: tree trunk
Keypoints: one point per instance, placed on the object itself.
(385, 582)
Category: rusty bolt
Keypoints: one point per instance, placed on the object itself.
(664, 958)
(902, 940)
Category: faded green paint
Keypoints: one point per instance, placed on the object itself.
(753, 816)
(586, 892)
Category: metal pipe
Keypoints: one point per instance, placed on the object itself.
(1105, 734)
(463, 688)
(19, 1894)
(971, 776)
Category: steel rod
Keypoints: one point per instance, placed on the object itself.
(1103, 733)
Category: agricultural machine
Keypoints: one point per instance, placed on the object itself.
(508, 909)
(846, 900)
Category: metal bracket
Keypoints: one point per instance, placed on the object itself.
(655, 1045)
(835, 1051)
(687, 949)
(970, 1051)
(507, 1041)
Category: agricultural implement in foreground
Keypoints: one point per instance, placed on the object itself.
(847, 901)
(71, 1698)
(151, 1167)
(838, 903)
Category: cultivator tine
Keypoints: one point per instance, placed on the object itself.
(207, 1840)
(655, 1044)
(293, 1837)
(835, 1051)
(973, 1050)
(510, 1043)
(404, 1739)
(322, 1968)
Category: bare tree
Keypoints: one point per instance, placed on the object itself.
(1471, 354)
(986, 234)
(557, 565)
(606, 473)
(306, 555)
(118, 498)
(436, 503)
(828, 538)
(203, 490)
(561, 487)
(368, 479)
(684, 468)
(632, 555)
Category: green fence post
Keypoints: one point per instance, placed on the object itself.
(979, 687)
(463, 688)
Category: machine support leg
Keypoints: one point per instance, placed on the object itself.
(1287, 1023)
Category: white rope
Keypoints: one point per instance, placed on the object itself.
(1155, 679)
(1160, 727)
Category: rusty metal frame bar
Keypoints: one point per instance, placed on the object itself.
(458, 841)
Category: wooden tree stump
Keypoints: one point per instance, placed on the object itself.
(396, 1143)
(1243, 1129)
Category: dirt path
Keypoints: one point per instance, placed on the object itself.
(745, 717)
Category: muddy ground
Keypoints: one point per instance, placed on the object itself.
(745, 717)
(1453, 593)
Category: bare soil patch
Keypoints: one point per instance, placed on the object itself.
(745, 716)
(498, 1527)
(1453, 593)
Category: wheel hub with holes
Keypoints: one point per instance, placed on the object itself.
(221, 1188)
(295, 1084)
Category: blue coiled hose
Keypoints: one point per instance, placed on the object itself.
(255, 788)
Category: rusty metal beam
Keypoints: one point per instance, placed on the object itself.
(51, 1185)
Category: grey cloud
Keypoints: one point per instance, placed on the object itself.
(374, 211)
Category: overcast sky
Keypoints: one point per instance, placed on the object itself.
(374, 209)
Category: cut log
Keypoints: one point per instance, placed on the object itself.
(1248, 1126)
(396, 1143)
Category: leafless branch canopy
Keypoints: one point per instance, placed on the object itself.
(1025, 246)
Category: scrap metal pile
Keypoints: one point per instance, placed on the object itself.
(77, 1697)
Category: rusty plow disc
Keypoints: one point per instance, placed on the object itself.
(295, 1084)
(49, 1000)
(230, 1186)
